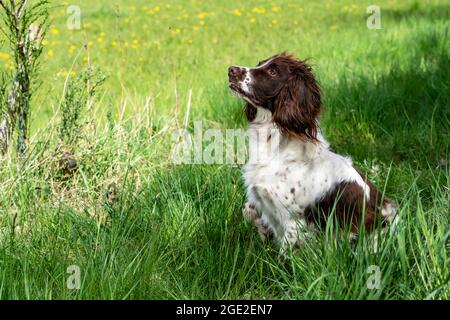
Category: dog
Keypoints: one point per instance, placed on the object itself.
(299, 181)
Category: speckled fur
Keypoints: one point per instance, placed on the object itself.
(281, 185)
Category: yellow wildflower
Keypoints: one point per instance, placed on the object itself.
(237, 12)
(5, 56)
(202, 15)
(276, 9)
(62, 72)
(259, 10)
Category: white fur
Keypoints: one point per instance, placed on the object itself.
(280, 165)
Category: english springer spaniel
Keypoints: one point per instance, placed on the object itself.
(293, 180)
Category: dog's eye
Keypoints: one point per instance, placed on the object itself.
(272, 72)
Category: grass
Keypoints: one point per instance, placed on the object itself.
(140, 227)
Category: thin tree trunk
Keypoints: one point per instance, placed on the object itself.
(26, 43)
(9, 118)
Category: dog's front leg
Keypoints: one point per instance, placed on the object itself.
(253, 216)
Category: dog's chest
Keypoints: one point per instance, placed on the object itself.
(286, 176)
(292, 186)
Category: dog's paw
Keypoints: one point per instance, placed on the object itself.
(264, 232)
(251, 215)
(249, 212)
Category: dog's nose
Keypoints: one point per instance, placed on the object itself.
(233, 71)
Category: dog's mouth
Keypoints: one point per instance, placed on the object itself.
(240, 93)
(235, 88)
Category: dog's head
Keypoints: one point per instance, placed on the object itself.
(286, 87)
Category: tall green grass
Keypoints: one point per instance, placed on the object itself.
(140, 227)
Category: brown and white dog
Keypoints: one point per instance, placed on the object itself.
(302, 181)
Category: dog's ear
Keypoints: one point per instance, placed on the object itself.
(250, 112)
(298, 104)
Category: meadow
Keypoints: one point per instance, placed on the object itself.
(138, 226)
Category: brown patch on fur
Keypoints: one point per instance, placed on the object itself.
(286, 86)
(250, 112)
(298, 103)
(376, 203)
(349, 201)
